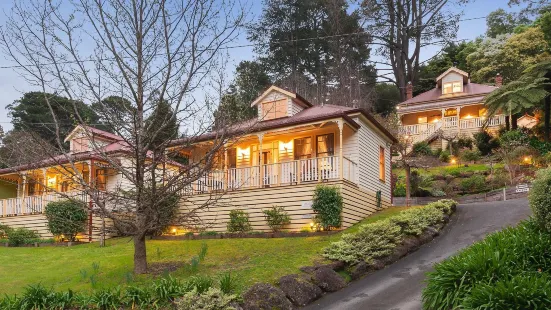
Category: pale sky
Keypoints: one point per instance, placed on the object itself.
(12, 86)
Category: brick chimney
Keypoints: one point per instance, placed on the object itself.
(499, 80)
(409, 91)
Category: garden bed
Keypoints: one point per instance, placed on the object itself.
(44, 244)
(199, 236)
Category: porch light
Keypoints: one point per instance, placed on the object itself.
(51, 182)
(397, 107)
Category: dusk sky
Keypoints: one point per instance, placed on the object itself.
(12, 86)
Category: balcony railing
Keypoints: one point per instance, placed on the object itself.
(35, 204)
(277, 174)
(422, 131)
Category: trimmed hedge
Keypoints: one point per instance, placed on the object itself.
(376, 240)
(540, 200)
(486, 274)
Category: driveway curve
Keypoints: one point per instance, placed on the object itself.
(399, 286)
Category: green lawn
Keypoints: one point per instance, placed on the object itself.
(251, 260)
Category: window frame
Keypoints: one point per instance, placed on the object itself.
(382, 164)
(295, 155)
(330, 150)
(451, 84)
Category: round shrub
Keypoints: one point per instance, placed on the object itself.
(327, 203)
(66, 217)
(473, 184)
(540, 199)
(239, 221)
(21, 236)
(277, 218)
(520, 292)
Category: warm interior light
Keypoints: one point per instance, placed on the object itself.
(51, 182)
(397, 107)
(469, 116)
(435, 120)
(312, 224)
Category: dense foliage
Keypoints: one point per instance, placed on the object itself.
(66, 217)
(327, 204)
(376, 240)
(277, 218)
(160, 294)
(540, 198)
(484, 275)
(239, 221)
(485, 143)
(19, 236)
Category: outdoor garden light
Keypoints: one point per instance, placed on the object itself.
(526, 158)
(173, 230)
(453, 161)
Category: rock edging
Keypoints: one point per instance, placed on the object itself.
(298, 290)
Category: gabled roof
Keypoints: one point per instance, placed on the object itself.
(452, 69)
(94, 132)
(312, 114)
(435, 94)
(283, 91)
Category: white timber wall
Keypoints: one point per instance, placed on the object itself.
(39, 224)
(369, 142)
(295, 199)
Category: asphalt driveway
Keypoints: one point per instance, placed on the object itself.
(399, 285)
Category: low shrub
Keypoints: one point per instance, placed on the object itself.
(327, 204)
(21, 236)
(378, 239)
(239, 221)
(400, 190)
(106, 298)
(66, 217)
(520, 292)
(437, 192)
(277, 218)
(473, 184)
(211, 299)
(414, 221)
(470, 156)
(540, 199)
(445, 156)
(514, 251)
(372, 241)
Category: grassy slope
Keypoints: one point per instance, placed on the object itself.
(251, 260)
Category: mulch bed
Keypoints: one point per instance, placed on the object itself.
(246, 235)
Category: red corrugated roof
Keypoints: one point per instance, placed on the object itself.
(435, 94)
(314, 113)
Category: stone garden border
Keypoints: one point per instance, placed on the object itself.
(298, 290)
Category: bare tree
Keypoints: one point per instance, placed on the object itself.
(402, 28)
(144, 52)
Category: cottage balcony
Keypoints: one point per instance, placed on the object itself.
(35, 204)
(317, 169)
(421, 131)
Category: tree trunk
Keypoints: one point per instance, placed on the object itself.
(514, 121)
(507, 123)
(547, 117)
(140, 255)
(408, 185)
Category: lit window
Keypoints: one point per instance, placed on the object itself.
(452, 87)
(382, 163)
